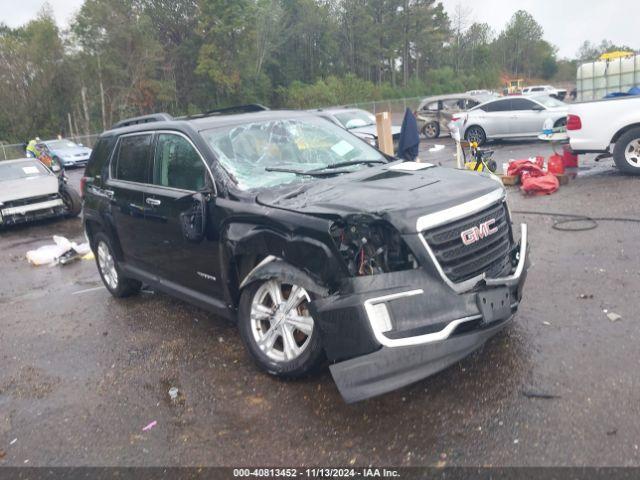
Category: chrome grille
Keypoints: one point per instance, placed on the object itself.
(489, 255)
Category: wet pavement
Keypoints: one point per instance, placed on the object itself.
(82, 373)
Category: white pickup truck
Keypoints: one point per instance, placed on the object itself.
(596, 126)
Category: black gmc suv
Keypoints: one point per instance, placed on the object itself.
(316, 244)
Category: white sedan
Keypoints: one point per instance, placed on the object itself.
(510, 117)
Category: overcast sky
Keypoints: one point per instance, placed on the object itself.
(566, 23)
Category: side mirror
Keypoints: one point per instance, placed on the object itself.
(193, 221)
(538, 108)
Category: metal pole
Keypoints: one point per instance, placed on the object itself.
(4, 152)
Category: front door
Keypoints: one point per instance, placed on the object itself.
(130, 168)
(526, 120)
(179, 174)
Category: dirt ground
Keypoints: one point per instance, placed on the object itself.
(82, 373)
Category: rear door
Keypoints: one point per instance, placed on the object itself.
(179, 172)
(129, 171)
(526, 120)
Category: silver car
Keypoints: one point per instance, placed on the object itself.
(434, 113)
(510, 117)
(68, 153)
(359, 122)
(30, 191)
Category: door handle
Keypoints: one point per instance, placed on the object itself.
(153, 201)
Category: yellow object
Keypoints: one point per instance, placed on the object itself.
(474, 166)
(615, 55)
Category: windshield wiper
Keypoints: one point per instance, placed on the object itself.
(349, 163)
(331, 169)
(311, 173)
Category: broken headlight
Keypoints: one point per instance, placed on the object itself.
(371, 247)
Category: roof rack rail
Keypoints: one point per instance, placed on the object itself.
(248, 108)
(155, 117)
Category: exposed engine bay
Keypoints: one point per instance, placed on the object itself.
(371, 247)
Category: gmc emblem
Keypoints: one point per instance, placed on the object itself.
(484, 230)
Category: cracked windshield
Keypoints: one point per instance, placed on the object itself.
(277, 152)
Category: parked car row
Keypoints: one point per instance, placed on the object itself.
(481, 116)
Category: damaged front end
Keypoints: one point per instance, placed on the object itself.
(417, 302)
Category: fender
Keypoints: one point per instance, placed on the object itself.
(296, 248)
(275, 267)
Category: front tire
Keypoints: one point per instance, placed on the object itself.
(72, 201)
(118, 285)
(278, 330)
(476, 134)
(626, 153)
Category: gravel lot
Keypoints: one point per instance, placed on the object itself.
(82, 373)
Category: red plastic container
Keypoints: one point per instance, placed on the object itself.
(555, 165)
(569, 159)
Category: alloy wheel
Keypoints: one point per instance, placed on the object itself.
(475, 135)
(632, 153)
(430, 130)
(107, 265)
(280, 320)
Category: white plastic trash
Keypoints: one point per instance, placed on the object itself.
(49, 254)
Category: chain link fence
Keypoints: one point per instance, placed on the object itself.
(397, 107)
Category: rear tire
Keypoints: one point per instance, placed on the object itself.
(72, 201)
(278, 330)
(118, 285)
(476, 134)
(431, 130)
(626, 153)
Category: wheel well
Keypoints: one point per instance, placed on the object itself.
(624, 130)
(92, 227)
(240, 267)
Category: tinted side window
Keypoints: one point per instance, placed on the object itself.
(133, 158)
(499, 106)
(177, 164)
(522, 104)
(100, 155)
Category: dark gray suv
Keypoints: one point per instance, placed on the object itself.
(318, 246)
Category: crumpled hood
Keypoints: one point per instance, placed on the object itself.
(11, 190)
(400, 197)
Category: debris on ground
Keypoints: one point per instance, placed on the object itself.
(173, 393)
(2, 453)
(540, 395)
(62, 252)
(150, 426)
(548, 324)
(614, 317)
(612, 432)
(436, 148)
(586, 296)
(13, 441)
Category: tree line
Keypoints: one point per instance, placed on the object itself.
(121, 58)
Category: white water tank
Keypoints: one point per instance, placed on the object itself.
(597, 79)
